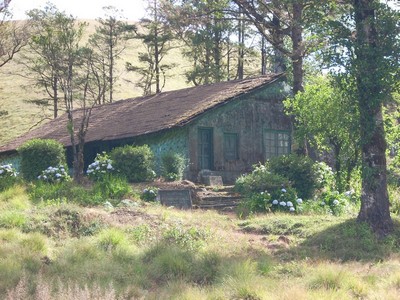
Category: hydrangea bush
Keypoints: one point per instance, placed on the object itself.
(54, 174)
(149, 194)
(100, 168)
(8, 176)
(287, 201)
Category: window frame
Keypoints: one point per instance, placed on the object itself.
(236, 149)
(276, 149)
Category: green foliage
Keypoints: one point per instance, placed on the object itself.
(8, 176)
(261, 179)
(173, 165)
(112, 187)
(149, 194)
(190, 238)
(134, 163)
(39, 154)
(62, 192)
(327, 118)
(100, 168)
(299, 170)
(54, 174)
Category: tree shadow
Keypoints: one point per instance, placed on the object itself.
(347, 241)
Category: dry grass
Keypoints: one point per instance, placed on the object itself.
(64, 251)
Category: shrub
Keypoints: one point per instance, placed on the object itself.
(100, 168)
(149, 194)
(299, 170)
(38, 154)
(8, 176)
(173, 165)
(260, 180)
(112, 187)
(134, 163)
(54, 174)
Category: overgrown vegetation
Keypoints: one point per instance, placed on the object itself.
(135, 163)
(39, 154)
(59, 250)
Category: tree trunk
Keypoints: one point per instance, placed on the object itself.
(297, 54)
(374, 196)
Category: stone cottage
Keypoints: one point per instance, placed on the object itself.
(224, 127)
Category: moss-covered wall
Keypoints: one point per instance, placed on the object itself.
(248, 117)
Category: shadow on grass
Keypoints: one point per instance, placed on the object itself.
(346, 241)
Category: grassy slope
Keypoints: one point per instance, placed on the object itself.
(16, 89)
(152, 252)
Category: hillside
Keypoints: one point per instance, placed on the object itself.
(17, 88)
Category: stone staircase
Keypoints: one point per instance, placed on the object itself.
(221, 198)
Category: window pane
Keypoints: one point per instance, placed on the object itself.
(231, 146)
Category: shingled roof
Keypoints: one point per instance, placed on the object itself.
(149, 114)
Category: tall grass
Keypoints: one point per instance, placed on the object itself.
(67, 251)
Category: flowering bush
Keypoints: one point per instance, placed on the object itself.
(287, 201)
(324, 175)
(54, 174)
(101, 166)
(149, 194)
(259, 180)
(8, 176)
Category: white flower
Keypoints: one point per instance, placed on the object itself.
(282, 203)
(335, 202)
(323, 203)
(58, 175)
(289, 204)
(299, 201)
(292, 209)
(1, 171)
(348, 193)
(262, 193)
(44, 177)
(109, 167)
(89, 171)
(283, 190)
(275, 202)
(97, 168)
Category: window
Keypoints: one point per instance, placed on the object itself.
(231, 146)
(276, 143)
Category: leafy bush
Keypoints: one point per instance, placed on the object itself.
(54, 174)
(260, 180)
(134, 163)
(112, 187)
(325, 178)
(299, 170)
(59, 191)
(100, 168)
(149, 194)
(8, 176)
(333, 203)
(38, 154)
(173, 165)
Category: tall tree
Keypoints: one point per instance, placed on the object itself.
(157, 37)
(286, 26)
(364, 50)
(372, 66)
(69, 69)
(109, 41)
(204, 29)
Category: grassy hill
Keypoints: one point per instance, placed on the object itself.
(16, 88)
